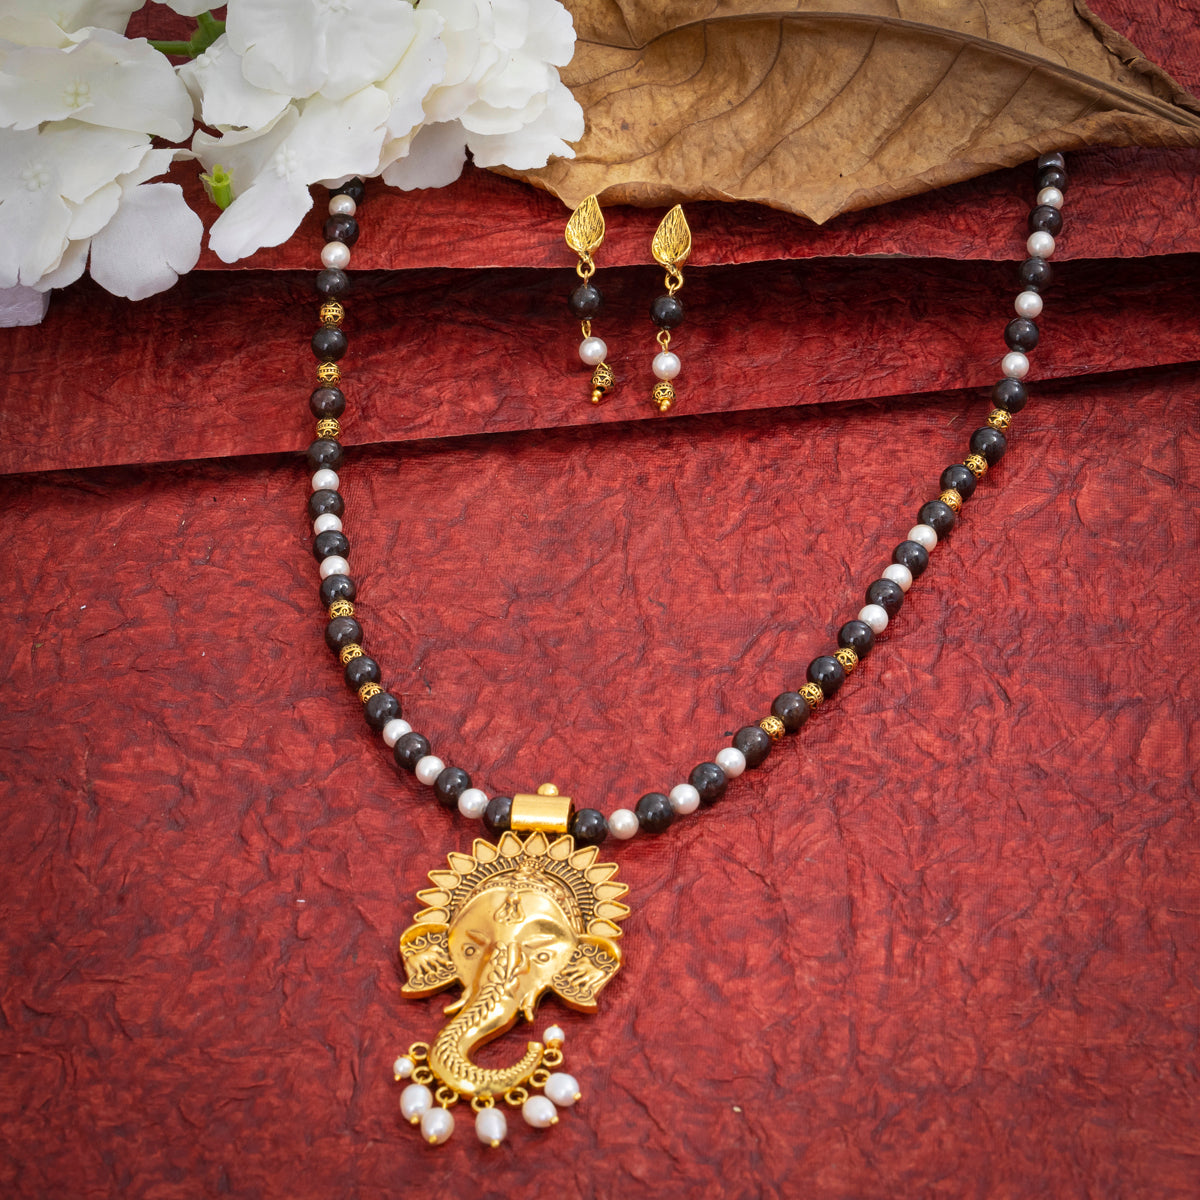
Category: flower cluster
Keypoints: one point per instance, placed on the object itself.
(290, 93)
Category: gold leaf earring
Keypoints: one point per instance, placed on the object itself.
(671, 246)
(585, 232)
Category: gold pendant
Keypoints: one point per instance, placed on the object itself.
(508, 922)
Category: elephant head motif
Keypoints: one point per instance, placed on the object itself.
(510, 922)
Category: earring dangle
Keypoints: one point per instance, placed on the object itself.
(671, 246)
(585, 232)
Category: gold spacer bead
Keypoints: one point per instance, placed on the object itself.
(341, 608)
(328, 373)
(349, 651)
(813, 695)
(329, 428)
(772, 726)
(602, 381)
(952, 498)
(999, 419)
(848, 658)
(332, 313)
(976, 464)
(664, 395)
(368, 690)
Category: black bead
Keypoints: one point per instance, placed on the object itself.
(1045, 218)
(827, 673)
(792, 709)
(666, 312)
(585, 301)
(409, 749)
(337, 587)
(1035, 274)
(320, 503)
(912, 555)
(354, 188)
(857, 635)
(381, 709)
(332, 282)
(654, 812)
(330, 542)
(961, 479)
(888, 594)
(938, 515)
(989, 442)
(325, 452)
(329, 344)
(1021, 334)
(341, 631)
(327, 402)
(709, 780)
(449, 785)
(1054, 177)
(1053, 159)
(360, 670)
(341, 228)
(1010, 395)
(754, 742)
(497, 817)
(588, 827)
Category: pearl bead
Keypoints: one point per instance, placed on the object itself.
(394, 730)
(684, 799)
(1040, 244)
(335, 255)
(325, 480)
(327, 523)
(428, 768)
(472, 802)
(437, 1125)
(491, 1126)
(334, 565)
(898, 573)
(403, 1067)
(1028, 304)
(540, 1112)
(563, 1089)
(923, 535)
(342, 205)
(666, 365)
(731, 760)
(1051, 196)
(554, 1036)
(623, 824)
(1014, 365)
(874, 615)
(415, 1100)
(592, 351)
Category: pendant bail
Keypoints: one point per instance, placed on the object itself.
(546, 811)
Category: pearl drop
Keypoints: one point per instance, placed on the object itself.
(437, 1125)
(592, 351)
(429, 768)
(1028, 304)
(923, 535)
(325, 480)
(335, 255)
(554, 1036)
(684, 798)
(394, 730)
(898, 573)
(1014, 365)
(563, 1089)
(415, 1100)
(472, 802)
(666, 365)
(1051, 196)
(342, 205)
(1040, 244)
(491, 1126)
(623, 824)
(327, 521)
(402, 1068)
(731, 760)
(540, 1112)
(874, 615)
(334, 565)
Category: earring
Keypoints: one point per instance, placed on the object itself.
(585, 232)
(671, 246)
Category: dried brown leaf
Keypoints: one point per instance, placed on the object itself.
(820, 112)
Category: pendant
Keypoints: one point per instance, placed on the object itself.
(508, 922)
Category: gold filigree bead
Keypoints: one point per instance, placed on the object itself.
(349, 651)
(976, 464)
(999, 419)
(368, 690)
(813, 695)
(341, 608)
(328, 427)
(847, 657)
(602, 381)
(328, 373)
(952, 499)
(664, 395)
(773, 727)
(332, 313)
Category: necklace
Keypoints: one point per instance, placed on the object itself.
(535, 910)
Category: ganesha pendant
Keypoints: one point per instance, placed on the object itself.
(509, 922)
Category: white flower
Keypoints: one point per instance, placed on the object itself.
(68, 15)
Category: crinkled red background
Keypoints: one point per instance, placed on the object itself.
(943, 944)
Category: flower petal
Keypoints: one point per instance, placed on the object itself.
(227, 99)
(266, 214)
(534, 144)
(435, 158)
(33, 235)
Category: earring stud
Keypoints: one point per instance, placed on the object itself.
(671, 246)
(584, 233)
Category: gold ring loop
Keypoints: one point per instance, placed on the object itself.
(516, 1096)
